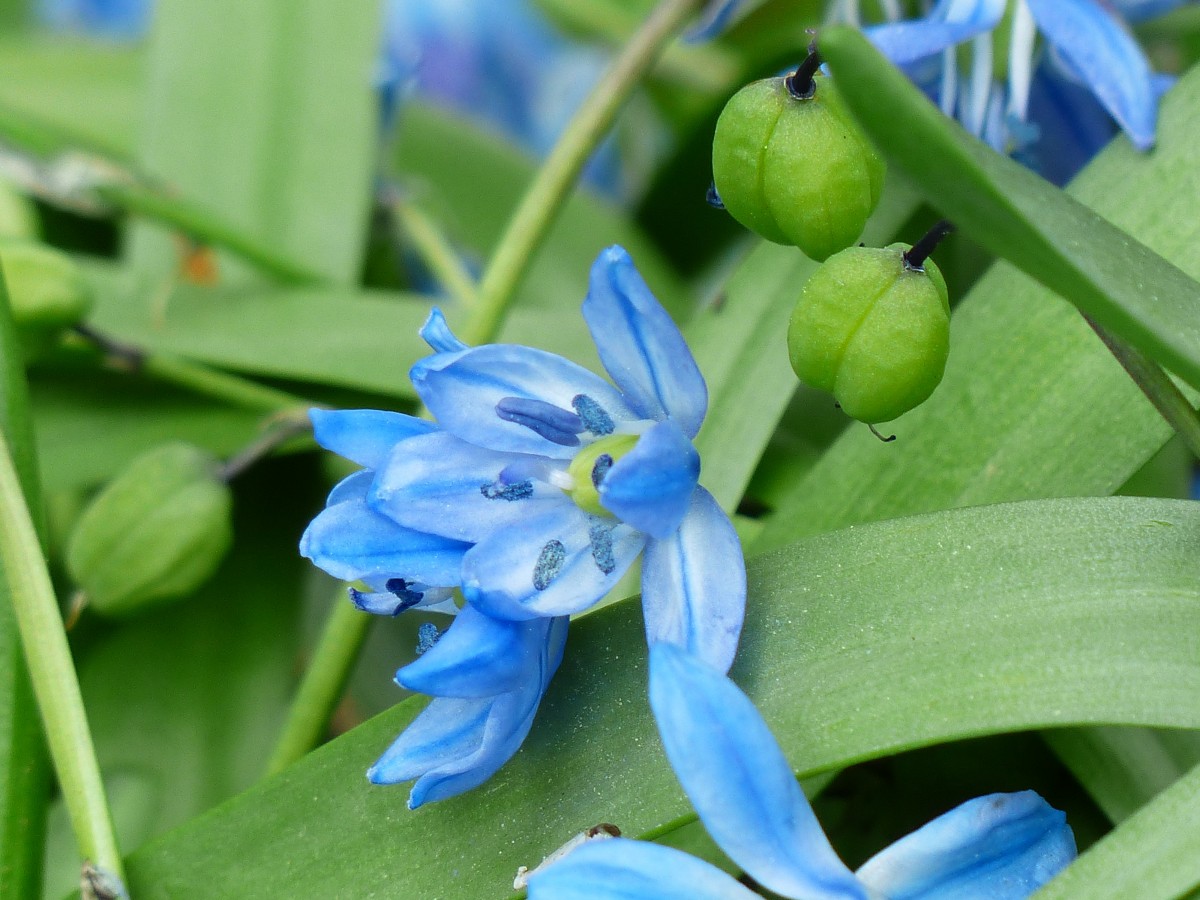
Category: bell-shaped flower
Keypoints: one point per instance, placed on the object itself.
(486, 676)
(1087, 39)
(559, 480)
(1002, 846)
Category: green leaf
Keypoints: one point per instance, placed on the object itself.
(861, 643)
(1155, 854)
(267, 112)
(1070, 248)
(24, 768)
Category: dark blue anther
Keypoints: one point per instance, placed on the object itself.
(593, 416)
(600, 536)
(549, 564)
(518, 490)
(603, 463)
(427, 636)
(404, 591)
(713, 198)
(387, 603)
(546, 419)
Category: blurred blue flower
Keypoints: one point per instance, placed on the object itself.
(117, 19)
(1088, 43)
(558, 481)
(487, 676)
(1002, 846)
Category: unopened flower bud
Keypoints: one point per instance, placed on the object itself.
(46, 292)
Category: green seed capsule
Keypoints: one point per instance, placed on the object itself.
(156, 532)
(872, 331)
(796, 171)
(46, 291)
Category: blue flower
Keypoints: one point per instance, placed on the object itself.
(1002, 846)
(120, 19)
(487, 676)
(558, 480)
(1088, 41)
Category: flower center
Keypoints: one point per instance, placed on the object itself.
(591, 464)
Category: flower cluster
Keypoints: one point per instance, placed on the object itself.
(534, 493)
(1002, 846)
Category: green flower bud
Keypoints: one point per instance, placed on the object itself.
(872, 329)
(155, 532)
(46, 291)
(796, 171)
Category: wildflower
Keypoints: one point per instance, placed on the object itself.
(558, 480)
(487, 676)
(1001, 846)
(1088, 41)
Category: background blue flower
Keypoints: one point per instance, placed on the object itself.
(1002, 846)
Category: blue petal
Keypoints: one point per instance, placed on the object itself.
(651, 486)
(478, 656)
(950, 23)
(739, 781)
(640, 346)
(548, 565)
(364, 436)
(716, 18)
(1106, 58)
(1001, 847)
(462, 390)
(457, 744)
(694, 585)
(353, 487)
(621, 869)
(350, 541)
(437, 334)
(1141, 10)
(445, 486)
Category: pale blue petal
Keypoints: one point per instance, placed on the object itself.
(440, 484)
(364, 436)
(462, 390)
(353, 487)
(640, 346)
(437, 334)
(651, 486)
(1107, 58)
(350, 541)
(403, 596)
(478, 656)
(694, 585)
(739, 781)
(457, 744)
(999, 847)
(554, 564)
(950, 23)
(1141, 10)
(716, 18)
(620, 869)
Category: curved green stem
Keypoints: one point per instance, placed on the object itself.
(341, 639)
(544, 199)
(53, 673)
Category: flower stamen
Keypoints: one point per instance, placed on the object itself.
(549, 564)
(544, 419)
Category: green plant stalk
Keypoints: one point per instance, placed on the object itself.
(1157, 385)
(553, 183)
(53, 674)
(341, 638)
(432, 245)
(338, 646)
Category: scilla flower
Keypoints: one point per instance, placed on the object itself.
(1002, 846)
(1087, 40)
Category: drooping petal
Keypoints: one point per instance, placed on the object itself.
(350, 541)
(437, 334)
(640, 346)
(739, 781)
(478, 656)
(463, 389)
(556, 564)
(364, 436)
(951, 22)
(694, 585)
(1106, 58)
(1000, 847)
(457, 744)
(651, 486)
(621, 869)
(443, 485)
